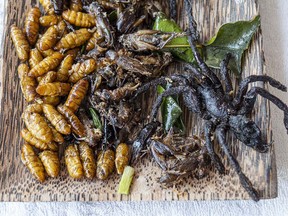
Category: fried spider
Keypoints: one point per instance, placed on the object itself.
(204, 95)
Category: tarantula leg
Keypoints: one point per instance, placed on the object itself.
(169, 92)
(225, 76)
(243, 86)
(191, 101)
(192, 39)
(209, 145)
(250, 99)
(245, 182)
(173, 9)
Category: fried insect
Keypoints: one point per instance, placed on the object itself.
(51, 163)
(73, 162)
(49, 38)
(47, 78)
(76, 5)
(28, 84)
(57, 137)
(37, 125)
(79, 19)
(32, 25)
(94, 41)
(54, 89)
(47, 53)
(80, 70)
(31, 160)
(105, 164)
(34, 108)
(88, 160)
(119, 93)
(76, 95)
(122, 157)
(47, 64)
(35, 57)
(77, 127)
(62, 28)
(65, 66)
(47, 6)
(20, 42)
(74, 39)
(29, 138)
(56, 119)
(52, 100)
(49, 20)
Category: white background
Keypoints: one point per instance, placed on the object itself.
(275, 30)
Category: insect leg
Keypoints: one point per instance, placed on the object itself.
(243, 86)
(225, 76)
(209, 145)
(221, 134)
(169, 92)
(250, 98)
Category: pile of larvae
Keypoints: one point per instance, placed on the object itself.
(49, 76)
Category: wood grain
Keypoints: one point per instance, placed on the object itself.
(16, 184)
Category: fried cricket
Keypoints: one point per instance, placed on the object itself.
(31, 160)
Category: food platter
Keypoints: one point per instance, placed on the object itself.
(17, 185)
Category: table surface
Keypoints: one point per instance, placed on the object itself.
(275, 31)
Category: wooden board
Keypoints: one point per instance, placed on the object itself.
(16, 184)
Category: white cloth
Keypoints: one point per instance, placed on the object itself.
(275, 30)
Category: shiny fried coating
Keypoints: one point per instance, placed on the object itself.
(49, 38)
(47, 78)
(88, 160)
(20, 42)
(53, 89)
(76, 5)
(79, 19)
(65, 66)
(46, 53)
(80, 70)
(73, 162)
(105, 164)
(47, 64)
(77, 127)
(31, 160)
(57, 137)
(29, 138)
(62, 28)
(76, 95)
(94, 40)
(74, 39)
(32, 25)
(51, 163)
(47, 6)
(73, 52)
(35, 57)
(28, 84)
(34, 108)
(56, 119)
(122, 157)
(52, 100)
(37, 125)
(49, 20)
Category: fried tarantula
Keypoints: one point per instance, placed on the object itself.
(203, 94)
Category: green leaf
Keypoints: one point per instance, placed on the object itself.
(233, 38)
(179, 47)
(170, 110)
(126, 180)
(96, 120)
